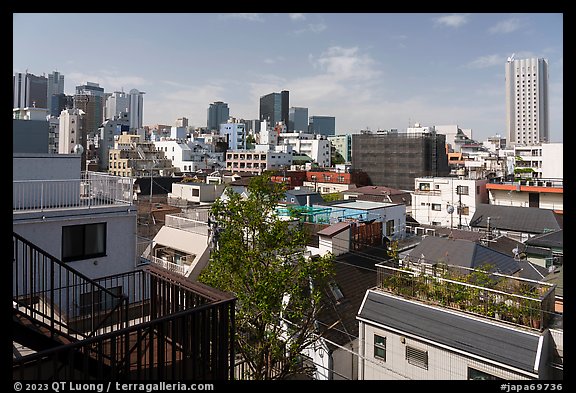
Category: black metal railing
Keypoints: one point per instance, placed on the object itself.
(177, 329)
(46, 289)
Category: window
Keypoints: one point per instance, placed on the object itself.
(83, 241)
(478, 375)
(380, 347)
(462, 190)
(417, 357)
(424, 187)
(390, 228)
(436, 207)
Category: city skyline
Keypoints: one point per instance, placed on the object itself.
(376, 71)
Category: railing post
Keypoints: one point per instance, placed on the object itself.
(51, 299)
(42, 197)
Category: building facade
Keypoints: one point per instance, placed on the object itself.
(274, 107)
(297, 119)
(323, 125)
(447, 201)
(30, 90)
(527, 104)
(235, 134)
(396, 159)
(258, 160)
(55, 86)
(218, 113)
(136, 111)
(343, 145)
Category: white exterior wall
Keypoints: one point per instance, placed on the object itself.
(328, 188)
(69, 131)
(443, 192)
(136, 111)
(551, 201)
(120, 237)
(553, 160)
(115, 104)
(196, 192)
(443, 364)
(527, 101)
(236, 134)
(337, 244)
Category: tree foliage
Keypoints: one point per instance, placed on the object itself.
(260, 259)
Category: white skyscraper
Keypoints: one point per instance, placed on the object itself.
(115, 104)
(527, 101)
(136, 109)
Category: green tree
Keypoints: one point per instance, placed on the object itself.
(259, 258)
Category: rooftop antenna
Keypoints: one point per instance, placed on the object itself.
(511, 58)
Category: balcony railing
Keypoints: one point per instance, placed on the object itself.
(195, 222)
(510, 299)
(93, 189)
(178, 330)
(171, 266)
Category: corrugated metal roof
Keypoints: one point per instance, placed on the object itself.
(513, 347)
(547, 240)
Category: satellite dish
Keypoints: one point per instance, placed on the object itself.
(450, 209)
(78, 149)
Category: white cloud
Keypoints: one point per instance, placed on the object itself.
(253, 17)
(346, 63)
(506, 26)
(454, 20)
(487, 61)
(312, 28)
(297, 16)
(274, 60)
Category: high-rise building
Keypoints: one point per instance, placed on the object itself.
(323, 125)
(72, 133)
(55, 86)
(59, 102)
(297, 119)
(527, 101)
(91, 99)
(218, 113)
(117, 103)
(274, 107)
(30, 91)
(136, 109)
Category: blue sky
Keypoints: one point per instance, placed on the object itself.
(373, 70)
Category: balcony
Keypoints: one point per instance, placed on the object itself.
(521, 302)
(147, 324)
(94, 189)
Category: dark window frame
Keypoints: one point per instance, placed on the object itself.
(80, 233)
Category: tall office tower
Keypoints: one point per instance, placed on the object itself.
(323, 125)
(527, 101)
(55, 86)
(297, 119)
(91, 99)
(30, 90)
(274, 107)
(117, 103)
(136, 109)
(218, 113)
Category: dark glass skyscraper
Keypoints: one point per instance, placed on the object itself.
(218, 113)
(274, 107)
